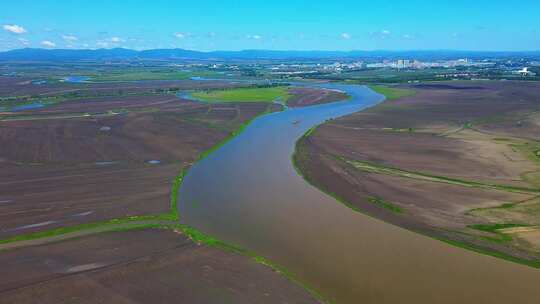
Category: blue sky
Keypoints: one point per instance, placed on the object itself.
(285, 25)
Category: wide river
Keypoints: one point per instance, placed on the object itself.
(247, 193)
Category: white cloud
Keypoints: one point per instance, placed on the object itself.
(254, 37)
(15, 29)
(69, 38)
(346, 36)
(24, 42)
(408, 37)
(180, 35)
(382, 34)
(116, 40)
(110, 42)
(47, 43)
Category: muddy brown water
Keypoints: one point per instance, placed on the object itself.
(248, 193)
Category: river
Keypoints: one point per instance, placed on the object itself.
(247, 193)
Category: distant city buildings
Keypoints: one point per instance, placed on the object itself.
(462, 68)
(416, 64)
(525, 72)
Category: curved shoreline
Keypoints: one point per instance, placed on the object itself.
(277, 214)
(168, 221)
(202, 238)
(436, 234)
(431, 234)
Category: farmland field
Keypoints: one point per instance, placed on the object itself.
(270, 94)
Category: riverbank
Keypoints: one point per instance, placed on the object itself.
(72, 171)
(265, 286)
(291, 96)
(452, 161)
(150, 265)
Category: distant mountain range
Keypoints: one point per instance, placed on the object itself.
(29, 54)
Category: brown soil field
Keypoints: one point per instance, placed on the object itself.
(60, 169)
(459, 155)
(302, 97)
(19, 86)
(58, 172)
(103, 104)
(140, 266)
(475, 102)
(429, 162)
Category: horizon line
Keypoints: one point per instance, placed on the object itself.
(278, 50)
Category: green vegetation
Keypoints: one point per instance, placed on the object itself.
(503, 206)
(385, 204)
(174, 214)
(12, 102)
(169, 221)
(494, 229)
(391, 75)
(202, 238)
(300, 155)
(525, 213)
(397, 130)
(384, 75)
(310, 131)
(129, 222)
(263, 94)
(500, 255)
(392, 93)
(531, 149)
(233, 134)
(133, 221)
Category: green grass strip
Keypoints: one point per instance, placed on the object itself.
(202, 238)
(385, 204)
(392, 93)
(494, 228)
(71, 229)
(375, 168)
(141, 222)
(261, 94)
(496, 254)
(233, 134)
(300, 154)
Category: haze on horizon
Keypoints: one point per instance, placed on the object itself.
(297, 25)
